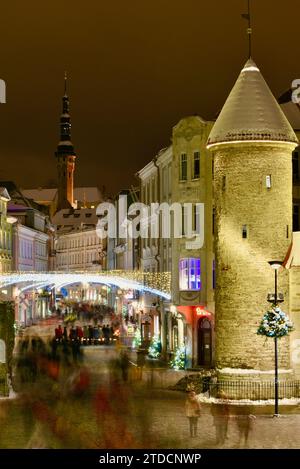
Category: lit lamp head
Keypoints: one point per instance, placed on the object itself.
(275, 264)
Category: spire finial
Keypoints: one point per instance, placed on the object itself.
(247, 16)
(66, 77)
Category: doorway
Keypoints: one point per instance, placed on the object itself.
(204, 342)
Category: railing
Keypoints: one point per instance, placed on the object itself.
(254, 390)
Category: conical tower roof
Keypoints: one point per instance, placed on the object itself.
(251, 113)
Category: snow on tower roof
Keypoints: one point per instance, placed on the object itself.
(251, 113)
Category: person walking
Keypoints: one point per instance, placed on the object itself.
(245, 420)
(220, 413)
(192, 410)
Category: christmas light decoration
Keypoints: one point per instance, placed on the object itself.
(137, 340)
(179, 359)
(155, 347)
(275, 323)
(156, 283)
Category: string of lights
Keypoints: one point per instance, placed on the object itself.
(157, 283)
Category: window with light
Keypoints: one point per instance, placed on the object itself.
(189, 274)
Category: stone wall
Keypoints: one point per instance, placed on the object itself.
(244, 277)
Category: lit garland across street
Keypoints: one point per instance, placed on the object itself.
(157, 283)
(275, 323)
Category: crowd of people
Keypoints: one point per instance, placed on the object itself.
(87, 334)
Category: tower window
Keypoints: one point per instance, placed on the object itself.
(183, 167)
(196, 173)
(268, 181)
(223, 183)
(244, 232)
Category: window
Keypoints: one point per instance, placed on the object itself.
(244, 232)
(183, 167)
(214, 274)
(223, 183)
(196, 173)
(189, 274)
(268, 181)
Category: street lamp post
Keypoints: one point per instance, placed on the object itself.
(276, 265)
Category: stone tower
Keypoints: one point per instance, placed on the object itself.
(66, 157)
(252, 144)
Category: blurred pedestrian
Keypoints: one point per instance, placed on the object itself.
(220, 413)
(124, 363)
(65, 334)
(58, 333)
(192, 411)
(245, 420)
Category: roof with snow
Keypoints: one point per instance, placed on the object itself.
(4, 194)
(251, 112)
(88, 194)
(68, 220)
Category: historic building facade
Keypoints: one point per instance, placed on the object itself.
(33, 237)
(5, 232)
(192, 264)
(182, 174)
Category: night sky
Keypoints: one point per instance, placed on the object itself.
(136, 67)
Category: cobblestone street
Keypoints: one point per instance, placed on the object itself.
(121, 415)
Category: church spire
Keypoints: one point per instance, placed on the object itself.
(66, 78)
(65, 155)
(65, 119)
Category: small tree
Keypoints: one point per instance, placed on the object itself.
(155, 347)
(179, 359)
(137, 340)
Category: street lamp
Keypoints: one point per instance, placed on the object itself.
(276, 266)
